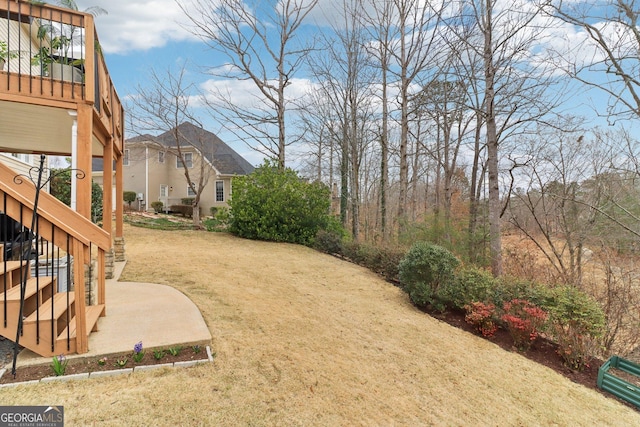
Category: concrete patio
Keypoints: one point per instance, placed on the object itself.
(157, 315)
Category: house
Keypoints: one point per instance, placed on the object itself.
(56, 101)
(154, 170)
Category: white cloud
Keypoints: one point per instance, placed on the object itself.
(138, 25)
(245, 94)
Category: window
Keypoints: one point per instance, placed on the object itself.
(125, 158)
(22, 157)
(219, 191)
(160, 156)
(188, 160)
(164, 190)
(190, 192)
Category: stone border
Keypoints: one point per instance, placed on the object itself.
(111, 373)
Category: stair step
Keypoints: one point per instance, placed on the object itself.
(13, 273)
(92, 315)
(59, 302)
(33, 285)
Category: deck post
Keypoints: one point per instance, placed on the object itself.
(82, 254)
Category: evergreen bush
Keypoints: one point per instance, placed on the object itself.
(60, 188)
(157, 206)
(471, 284)
(424, 270)
(129, 197)
(577, 325)
(276, 204)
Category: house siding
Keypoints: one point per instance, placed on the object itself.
(143, 155)
(18, 39)
(134, 174)
(22, 167)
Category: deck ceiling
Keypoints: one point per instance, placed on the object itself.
(27, 128)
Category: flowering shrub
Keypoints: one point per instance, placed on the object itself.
(523, 320)
(481, 315)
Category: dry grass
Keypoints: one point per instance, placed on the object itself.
(306, 339)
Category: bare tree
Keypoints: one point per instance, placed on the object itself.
(414, 52)
(547, 207)
(161, 106)
(380, 26)
(258, 40)
(516, 85)
(443, 103)
(344, 80)
(609, 49)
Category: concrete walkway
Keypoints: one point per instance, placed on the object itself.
(157, 315)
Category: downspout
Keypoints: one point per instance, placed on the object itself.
(146, 177)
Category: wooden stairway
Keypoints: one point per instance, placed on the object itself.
(49, 324)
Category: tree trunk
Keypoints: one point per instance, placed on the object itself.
(495, 238)
(473, 193)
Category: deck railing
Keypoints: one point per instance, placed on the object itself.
(55, 54)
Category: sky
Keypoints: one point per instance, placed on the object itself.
(137, 35)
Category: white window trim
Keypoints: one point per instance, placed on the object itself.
(179, 161)
(189, 191)
(216, 190)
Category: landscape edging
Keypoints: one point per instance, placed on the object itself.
(113, 372)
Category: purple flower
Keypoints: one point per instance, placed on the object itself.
(137, 348)
(61, 358)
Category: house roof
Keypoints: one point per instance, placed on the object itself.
(224, 158)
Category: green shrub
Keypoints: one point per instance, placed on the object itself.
(577, 325)
(60, 188)
(129, 197)
(184, 210)
(219, 222)
(471, 284)
(213, 210)
(424, 270)
(187, 201)
(350, 251)
(157, 206)
(328, 242)
(223, 216)
(276, 204)
(389, 262)
(380, 259)
(509, 288)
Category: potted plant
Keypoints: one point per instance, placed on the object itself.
(54, 55)
(5, 54)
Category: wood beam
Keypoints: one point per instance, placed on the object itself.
(83, 162)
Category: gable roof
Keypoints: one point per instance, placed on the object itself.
(223, 157)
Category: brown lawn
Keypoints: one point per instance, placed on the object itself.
(306, 339)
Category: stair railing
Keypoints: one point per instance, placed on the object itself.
(27, 252)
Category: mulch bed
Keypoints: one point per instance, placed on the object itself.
(88, 365)
(542, 351)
